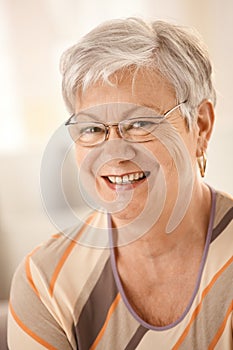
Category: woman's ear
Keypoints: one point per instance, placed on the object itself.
(205, 122)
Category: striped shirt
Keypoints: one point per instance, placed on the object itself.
(67, 295)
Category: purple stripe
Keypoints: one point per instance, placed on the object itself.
(204, 256)
(222, 224)
(136, 338)
(94, 312)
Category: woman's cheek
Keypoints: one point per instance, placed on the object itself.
(80, 154)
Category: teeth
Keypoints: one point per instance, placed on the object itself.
(112, 178)
(118, 180)
(126, 179)
(131, 177)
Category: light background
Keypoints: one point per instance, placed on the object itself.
(33, 34)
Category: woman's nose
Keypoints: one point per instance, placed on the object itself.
(115, 147)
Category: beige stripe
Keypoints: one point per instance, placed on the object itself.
(18, 339)
(120, 329)
(225, 342)
(97, 233)
(160, 339)
(223, 204)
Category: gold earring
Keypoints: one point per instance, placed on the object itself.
(201, 161)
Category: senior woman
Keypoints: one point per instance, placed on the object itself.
(151, 266)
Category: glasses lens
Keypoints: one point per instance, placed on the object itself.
(139, 130)
(87, 134)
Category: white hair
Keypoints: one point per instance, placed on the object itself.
(118, 45)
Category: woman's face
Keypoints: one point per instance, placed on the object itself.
(137, 179)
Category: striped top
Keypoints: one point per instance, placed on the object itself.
(66, 295)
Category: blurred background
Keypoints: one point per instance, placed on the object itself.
(33, 34)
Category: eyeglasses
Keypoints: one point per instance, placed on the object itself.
(140, 129)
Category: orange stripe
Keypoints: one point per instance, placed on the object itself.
(28, 272)
(56, 235)
(110, 312)
(66, 254)
(221, 328)
(198, 308)
(29, 276)
(29, 332)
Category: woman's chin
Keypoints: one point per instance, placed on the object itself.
(127, 215)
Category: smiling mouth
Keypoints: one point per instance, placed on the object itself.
(127, 178)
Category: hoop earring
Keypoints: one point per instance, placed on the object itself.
(201, 161)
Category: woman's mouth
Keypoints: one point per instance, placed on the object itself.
(126, 179)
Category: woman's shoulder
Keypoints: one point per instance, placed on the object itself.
(64, 255)
(223, 218)
(59, 272)
(224, 204)
(73, 242)
(227, 197)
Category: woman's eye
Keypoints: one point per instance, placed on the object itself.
(91, 130)
(141, 124)
(140, 127)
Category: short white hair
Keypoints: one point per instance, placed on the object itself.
(178, 53)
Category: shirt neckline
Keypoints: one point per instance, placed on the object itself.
(201, 268)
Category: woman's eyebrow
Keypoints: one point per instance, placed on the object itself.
(141, 110)
(124, 115)
(88, 115)
(130, 111)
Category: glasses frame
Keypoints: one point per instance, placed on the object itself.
(117, 125)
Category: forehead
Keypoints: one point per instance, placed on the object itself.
(148, 89)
